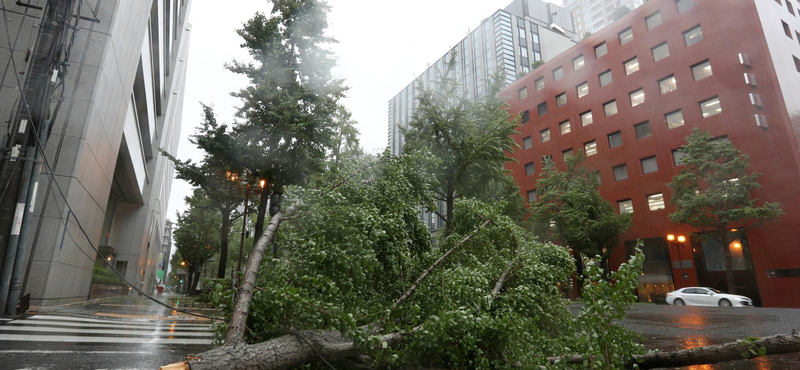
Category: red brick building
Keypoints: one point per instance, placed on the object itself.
(629, 95)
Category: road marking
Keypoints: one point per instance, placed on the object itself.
(88, 352)
(86, 319)
(79, 339)
(176, 327)
(164, 333)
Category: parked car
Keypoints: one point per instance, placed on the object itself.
(699, 296)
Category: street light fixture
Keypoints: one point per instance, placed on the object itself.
(681, 239)
(671, 237)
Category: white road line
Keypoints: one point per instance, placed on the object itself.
(86, 319)
(81, 352)
(141, 333)
(79, 339)
(177, 327)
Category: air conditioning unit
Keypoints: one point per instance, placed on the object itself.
(755, 99)
(557, 28)
(744, 60)
(750, 79)
(761, 121)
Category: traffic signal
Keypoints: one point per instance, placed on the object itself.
(181, 281)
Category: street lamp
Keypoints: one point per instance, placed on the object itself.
(681, 239)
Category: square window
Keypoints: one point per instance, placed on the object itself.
(702, 70)
(653, 21)
(542, 109)
(642, 130)
(656, 202)
(539, 83)
(567, 154)
(590, 148)
(660, 52)
(605, 78)
(600, 50)
(523, 93)
(583, 90)
(631, 66)
(578, 62)
(586, 118)
(615, 140)
(787, 30)
(674, 119)
(684, 5)
(565, 127)
(626, 36)
(677, 157)
(693, 36)
(530, 169)
(545, 135)
(649, 165)
(668, 84)
(625, 206)
(561, 100)
(558, 73)
(710, 107)
(620, 172)
(610, 108)
(531, 196)
(527, 143)
(526, 116)
(637, 97)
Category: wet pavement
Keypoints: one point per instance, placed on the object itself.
(121, 333)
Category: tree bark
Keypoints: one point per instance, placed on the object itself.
(196, 277)
(262, 212)
(223, 251)
(238, 321)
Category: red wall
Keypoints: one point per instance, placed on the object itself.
(729, 27)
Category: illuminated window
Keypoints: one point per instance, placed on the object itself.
(545, 135)
(539, 83)
(693, 36)
(637, 97)
(586, 118)
(626, 36)
(701, 70)
(668, 85)
(656, 202)
(567, 154)
(578, 62)
(710, 107)
(565, 127)
(590, 148)
(561, 100)
(631, 66)
(674, 119)
(625, 206)
(583, 90)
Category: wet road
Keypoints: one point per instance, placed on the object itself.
(669, 327)
(128, 333)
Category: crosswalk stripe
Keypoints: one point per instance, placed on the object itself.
(164, 333)
(97, 325)
(86, 319)
(79, 339)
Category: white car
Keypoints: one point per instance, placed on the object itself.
(698, 296)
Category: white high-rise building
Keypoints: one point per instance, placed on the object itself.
(592, 15)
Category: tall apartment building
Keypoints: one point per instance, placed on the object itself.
(592, 15)
(123, 102)
(628, 97)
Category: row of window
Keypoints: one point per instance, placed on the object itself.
(655, 202)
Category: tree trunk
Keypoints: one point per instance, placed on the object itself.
(196, 277)
(578, 273)
(223, 251)
(449, 204)
(726, 248)
(262, 212)
(188, 282)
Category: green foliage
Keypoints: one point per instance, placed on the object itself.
(536, 64)
(620, 12)
(103, 275)
(750, 348)
(197, 234)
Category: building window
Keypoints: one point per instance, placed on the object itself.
(561, 100)
(674, 119)
(578, 62)
(790, 7)
(542, 109)
(526, 116)
(677, 157)
(684, 5)
(642, 130)
(626, 36)
(668, 84)
(605, 78)
(600, 50)
(544, 135)
(796, 63)
(653, 21)
(586, 118)
(649, 165)
(637, 97)
(527, 143)
(631, 66)
(615, 139)
(625, 206)
(798, 36)
(755, 100)
(656, 202)
(531, 196)
(539, 83)
(565, 127)
(590, 148)
(710, 107)
(620, 172)
(693, 36)
(583, 90)
(529, 169)
(702, 70)
(787, 30)
(567, 154)
(558, 74)
(610, 108)
(660, 52)
(523, 93)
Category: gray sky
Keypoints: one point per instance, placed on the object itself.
(382, 46)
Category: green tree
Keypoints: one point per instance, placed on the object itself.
(621, 12)
(197, 235)
(586, 35)
(468, 142)
(714, 193)
(570, 210)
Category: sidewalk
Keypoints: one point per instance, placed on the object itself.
(133, 307)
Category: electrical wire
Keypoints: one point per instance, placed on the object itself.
(40, 147)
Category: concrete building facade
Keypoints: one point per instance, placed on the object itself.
(123, 103)
(634, 91)
(592, 15)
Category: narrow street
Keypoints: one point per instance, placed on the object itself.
(128, 333)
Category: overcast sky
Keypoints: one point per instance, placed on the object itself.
(382, 46)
